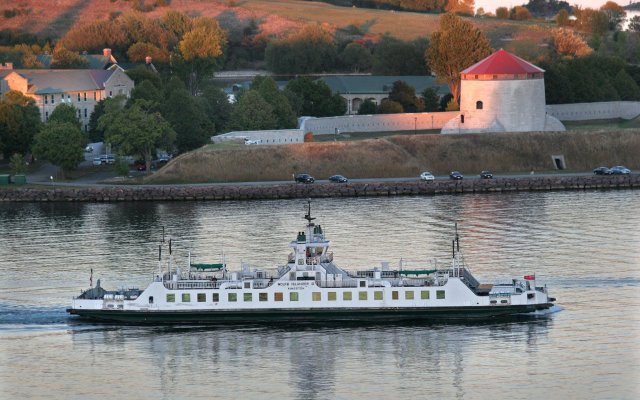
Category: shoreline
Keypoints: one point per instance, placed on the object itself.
(316, 190)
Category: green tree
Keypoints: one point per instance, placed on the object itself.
(269, 91)
(316, 99)
(406, 95)
(96, 134)
(19, 122)
(136, 129)
(562, 18)
(218, 108)
(311, 49)
(368, 107)
(67, 59)
(392, 56)
(626, 87)
(455, 46)
(252, 112)
(65, 113)
(431, 99)
(17, 165)
(187, 117)
(502, 13)
(140, 74)
(356, 58)
(390, 107)
(61, 143)
(146, 90)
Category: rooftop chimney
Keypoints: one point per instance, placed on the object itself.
(106, 52)
(147, 60)
(6, 65)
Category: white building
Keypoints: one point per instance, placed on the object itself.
(502, 93)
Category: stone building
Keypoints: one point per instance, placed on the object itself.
(81, 88)
(502, 93)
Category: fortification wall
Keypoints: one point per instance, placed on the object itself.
(377, 123)
(591, 111)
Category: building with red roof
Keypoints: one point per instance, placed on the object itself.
(502, 93)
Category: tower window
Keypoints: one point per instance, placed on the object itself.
(462, 119)
(478, 105)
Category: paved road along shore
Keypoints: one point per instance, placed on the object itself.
(292, 190)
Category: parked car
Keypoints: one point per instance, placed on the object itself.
(602, 171)
(88, 149)
(304, 178)
(486, 175)
(620, 170)
(97, 161)
(338, 178)
(455, 175)
(427, 176)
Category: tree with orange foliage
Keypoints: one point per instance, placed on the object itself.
(464, 7)
(615, 14)
(520, 13)
(568, 44)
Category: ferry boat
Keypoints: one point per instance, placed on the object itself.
(311, 287)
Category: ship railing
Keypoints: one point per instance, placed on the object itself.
(173, 285)
(337, 284)
(412, 282)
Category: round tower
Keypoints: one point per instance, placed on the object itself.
(502, 93)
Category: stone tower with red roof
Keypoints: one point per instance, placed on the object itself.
(502, 93)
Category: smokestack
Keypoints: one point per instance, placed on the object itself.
(147, 60)
(106, 52)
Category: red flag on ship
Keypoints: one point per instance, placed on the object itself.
(530, 277)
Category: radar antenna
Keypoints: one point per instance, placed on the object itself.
(308, 216)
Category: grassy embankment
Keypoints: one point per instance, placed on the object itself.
(406, 155)
(273, 16)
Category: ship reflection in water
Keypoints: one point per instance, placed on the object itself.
(308, 361)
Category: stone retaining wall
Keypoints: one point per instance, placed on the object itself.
(292, 190)
(595, 111)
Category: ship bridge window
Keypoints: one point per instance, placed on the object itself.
(394, 295)
(293, 296)
(263, 296)
(215, 297)
(363, 283)
(408, 295)
(377, 295)
(233, 297)
(201, 297)
(316, 296)
(362, 295)
(278, 296)
(150, 299)
(186, 297)
(424, 295)
(247, 285)
(248, 297)
(331, 296)
(171, 297)
(440, 294)
(346, 296)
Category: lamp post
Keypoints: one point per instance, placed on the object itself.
(415, 125)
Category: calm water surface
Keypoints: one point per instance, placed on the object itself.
(584, 245)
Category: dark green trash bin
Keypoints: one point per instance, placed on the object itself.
(4, 180)
(19, 179)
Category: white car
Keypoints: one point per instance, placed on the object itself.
(427, 176)
(97, 161)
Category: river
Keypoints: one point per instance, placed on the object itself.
(585, 245)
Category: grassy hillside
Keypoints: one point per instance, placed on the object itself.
(400, 156)
(275, 16)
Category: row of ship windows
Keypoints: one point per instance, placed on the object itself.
(294, 296)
